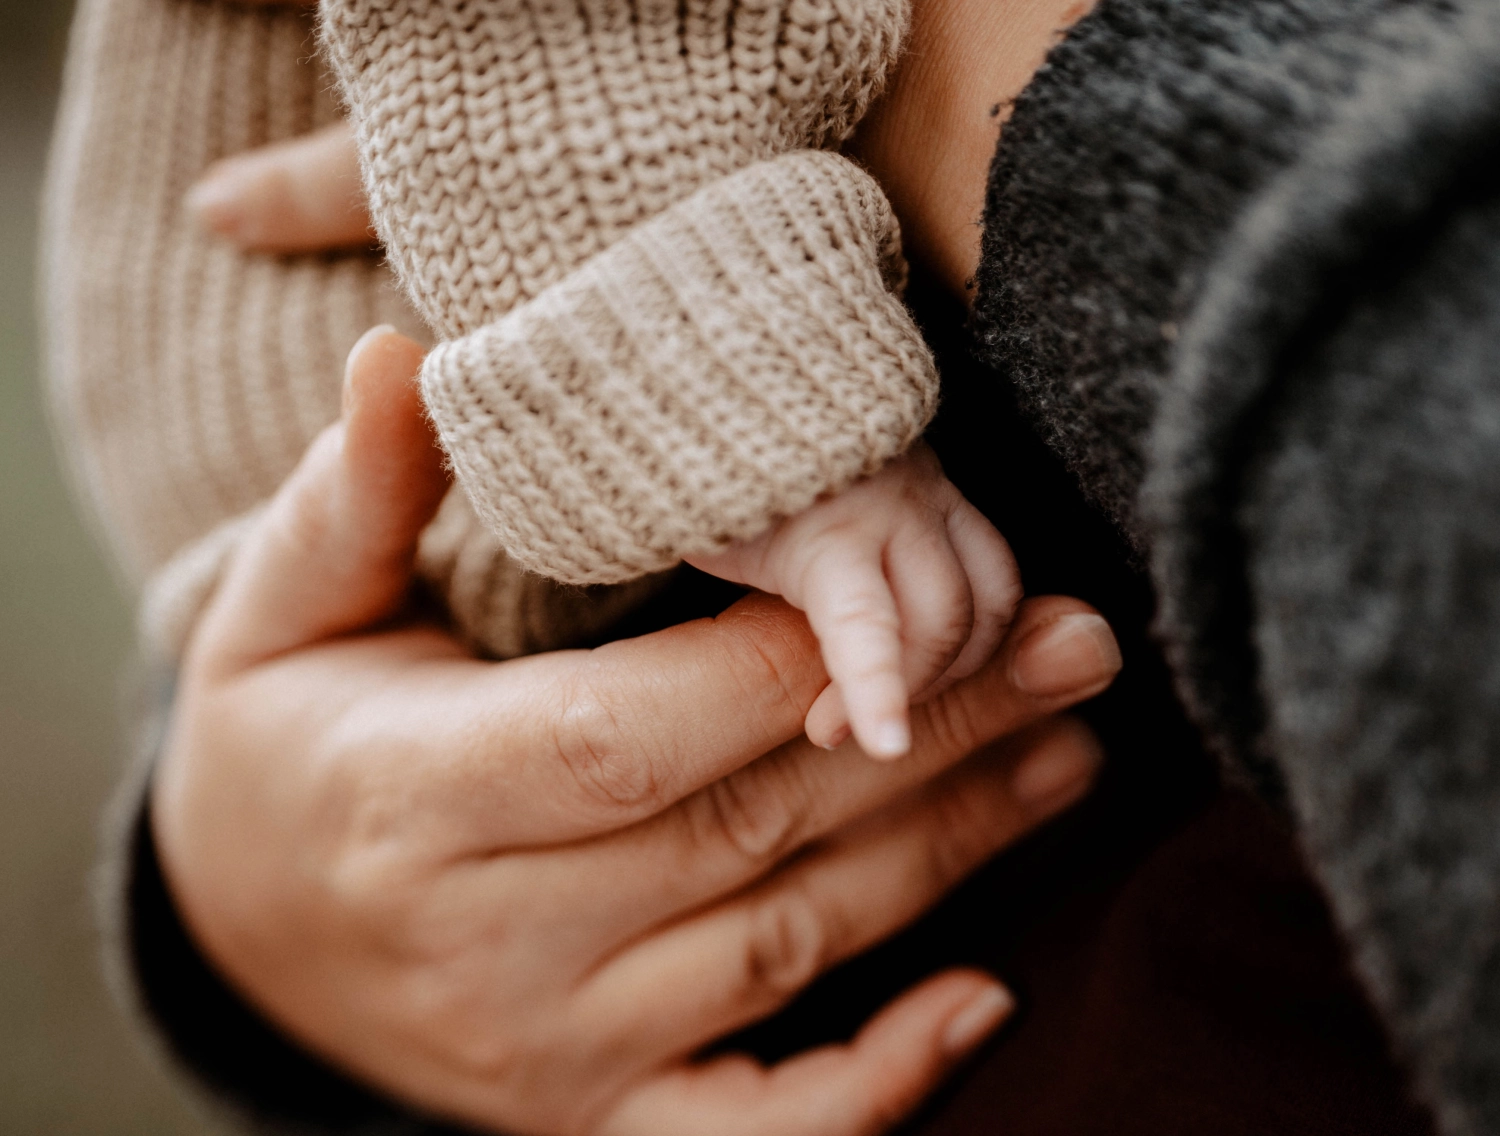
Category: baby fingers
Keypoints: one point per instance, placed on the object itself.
(994, 582)
(854, 614)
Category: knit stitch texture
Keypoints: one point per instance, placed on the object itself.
(663, 337)
(187, 378)
(1262, 331)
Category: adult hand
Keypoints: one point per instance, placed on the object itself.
(525, 894)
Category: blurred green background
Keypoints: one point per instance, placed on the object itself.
(68, 1066)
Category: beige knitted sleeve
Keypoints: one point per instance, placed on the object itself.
(187, 378)
(660, 336)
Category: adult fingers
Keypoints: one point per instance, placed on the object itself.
(559, 747)
(742, 826)
(302, 195)
(858, 1089)
(481, 758)
(745, 958)
(334, 550)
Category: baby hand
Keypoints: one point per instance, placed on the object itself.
(907, 586)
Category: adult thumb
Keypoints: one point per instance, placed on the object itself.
(334, 550)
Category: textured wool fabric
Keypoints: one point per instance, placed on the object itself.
(662, 340)
(187, 377)
(721, 365)
(1302, 425)
(1328, 579)
(1352, 456)
(1104, 209)
(504, 142)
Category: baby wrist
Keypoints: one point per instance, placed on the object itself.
(721, 366)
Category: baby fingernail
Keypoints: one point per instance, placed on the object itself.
(889, 739)
(977, 1020)
(1068, 654)
(837, 738)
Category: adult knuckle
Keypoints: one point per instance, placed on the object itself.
(370, 904)
(957, 839)
(371, 888)
(476, 1050)
(953, 723)
(444, 983)
(590, 741)
(449, 1004)
(377, 872)
(753, 815)
(786, 945)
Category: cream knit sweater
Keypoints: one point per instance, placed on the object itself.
(657, 337)
(187, 378)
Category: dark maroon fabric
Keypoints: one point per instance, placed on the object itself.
(1206, 994)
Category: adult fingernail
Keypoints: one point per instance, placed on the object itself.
(1054, 772)
(977, 1019)
(1069, 654)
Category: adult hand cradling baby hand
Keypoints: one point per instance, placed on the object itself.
(904, 583)
(907, 586)
(525, 894)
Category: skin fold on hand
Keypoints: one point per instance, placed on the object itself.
(525, 894)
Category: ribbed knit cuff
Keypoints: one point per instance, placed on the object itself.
(722, 366)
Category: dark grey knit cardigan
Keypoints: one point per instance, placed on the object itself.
(1242, 267)
(1242, 261)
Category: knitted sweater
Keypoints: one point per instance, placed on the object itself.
(656, 340)
(1241, 267)
(632, 371)
(188, 378)
(1288, 215)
